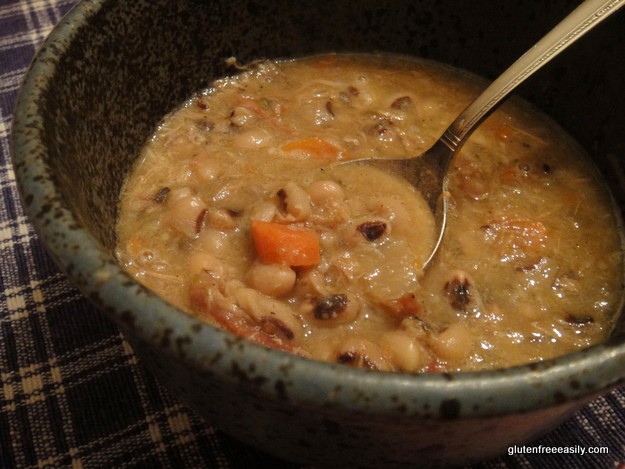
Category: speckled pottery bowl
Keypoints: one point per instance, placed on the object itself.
(113, 68)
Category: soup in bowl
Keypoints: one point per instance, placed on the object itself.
(238, 213)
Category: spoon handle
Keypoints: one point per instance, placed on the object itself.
(575, 25)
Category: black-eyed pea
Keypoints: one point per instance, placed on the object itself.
(453, 344)
(362, 353)
(241, 115)
(317, 110)
(271, 279)
(221, 219)
(262, 307)
(252, 139)
(295, 202)
(415, 327)
(406, 351)
(373, 230)
(185, 214)
(463, 294)
(365, 231)
(325, 191)
(331, 310)
(264, 211)
(276, 327)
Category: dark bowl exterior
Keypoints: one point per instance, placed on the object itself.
(112, 69)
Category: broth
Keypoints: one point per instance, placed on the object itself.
(235, 214)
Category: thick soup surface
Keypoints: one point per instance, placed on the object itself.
(236, 214)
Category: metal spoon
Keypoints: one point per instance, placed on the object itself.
(428, 171)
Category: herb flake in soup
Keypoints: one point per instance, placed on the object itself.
(235, 214)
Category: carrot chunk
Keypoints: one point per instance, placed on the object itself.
(277, 243)
(314, 147)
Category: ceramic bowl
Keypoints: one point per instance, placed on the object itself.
(108, 73)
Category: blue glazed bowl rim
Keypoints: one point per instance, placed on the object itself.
(278, 375)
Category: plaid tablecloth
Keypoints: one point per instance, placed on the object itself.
(72, 392)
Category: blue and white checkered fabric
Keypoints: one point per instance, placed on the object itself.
(72, 392)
